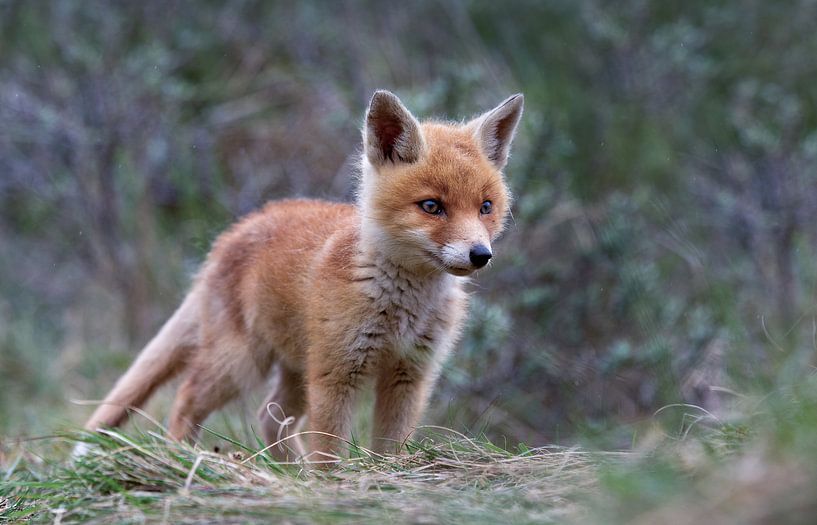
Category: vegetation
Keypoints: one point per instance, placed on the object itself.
(661, 255)
(149, 477)
(756, 468)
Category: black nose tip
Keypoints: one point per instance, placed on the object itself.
(480, 255)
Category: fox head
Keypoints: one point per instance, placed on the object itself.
(433, 194)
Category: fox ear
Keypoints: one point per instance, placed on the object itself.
(495, 129)
(391, 134)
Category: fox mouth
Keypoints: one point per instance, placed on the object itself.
(459, 271)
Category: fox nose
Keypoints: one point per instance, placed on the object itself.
(480, 255)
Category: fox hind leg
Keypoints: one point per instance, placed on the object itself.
(281, 413)
(201, 393)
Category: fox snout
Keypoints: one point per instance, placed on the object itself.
(480, 255)
(464, 258)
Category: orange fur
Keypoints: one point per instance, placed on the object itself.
(333, 294)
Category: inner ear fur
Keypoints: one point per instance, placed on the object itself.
(495, 129)
(391, 134)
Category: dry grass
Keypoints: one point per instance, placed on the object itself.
(755, 466)
(441, 479)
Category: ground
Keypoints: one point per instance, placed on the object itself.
(757, 468)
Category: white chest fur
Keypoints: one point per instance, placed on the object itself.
(407, 309)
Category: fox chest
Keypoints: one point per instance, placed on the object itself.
(404, 315)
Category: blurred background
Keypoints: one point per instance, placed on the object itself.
(663, 243)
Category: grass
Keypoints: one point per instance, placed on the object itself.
(440, 479)
(756, 465)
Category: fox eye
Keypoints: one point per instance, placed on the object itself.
(431, 206)
(485, 209)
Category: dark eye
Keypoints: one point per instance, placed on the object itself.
(485, 209)
(434, 207)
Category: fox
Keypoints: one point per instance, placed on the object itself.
(327, 297)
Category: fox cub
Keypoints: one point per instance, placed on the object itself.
(328, 295)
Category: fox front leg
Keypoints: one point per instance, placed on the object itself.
(402, 392)
(334, 380)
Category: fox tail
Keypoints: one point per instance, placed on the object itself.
(163, 357)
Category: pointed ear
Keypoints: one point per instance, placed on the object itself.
(495, 129)
(391, 134)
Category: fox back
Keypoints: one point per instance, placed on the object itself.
(323, 296)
